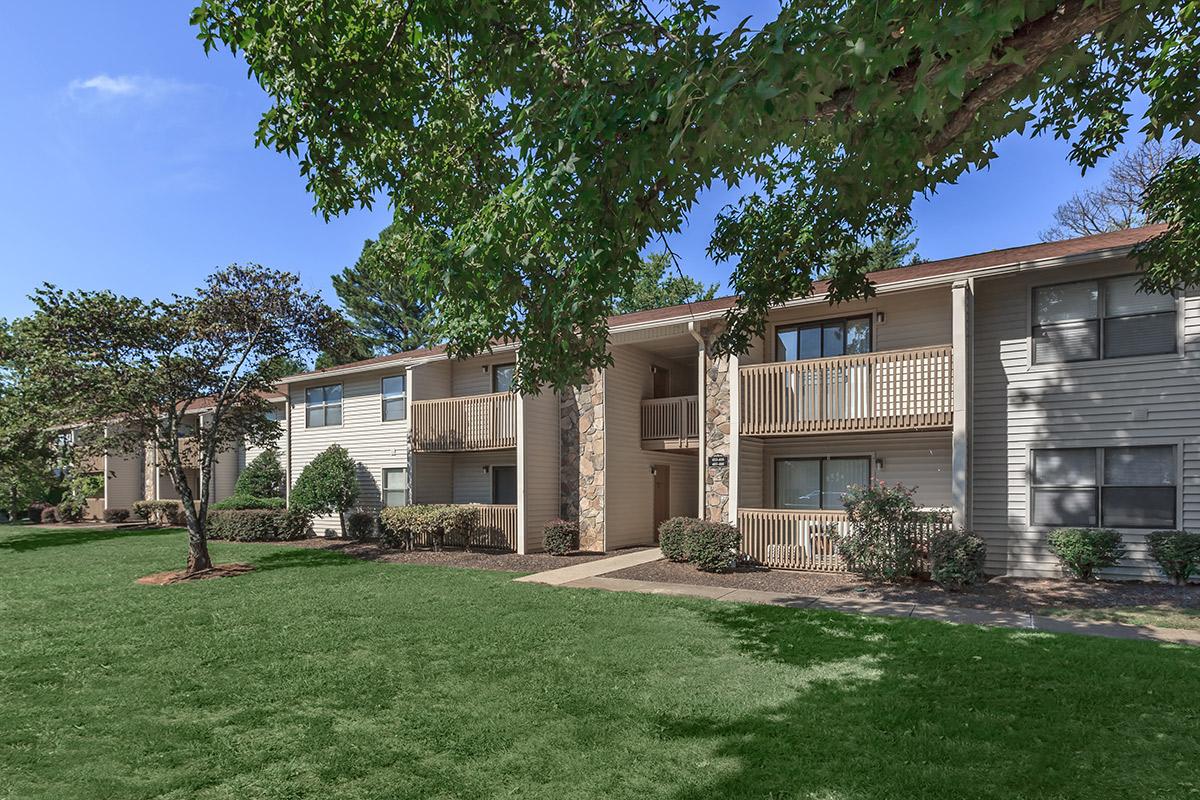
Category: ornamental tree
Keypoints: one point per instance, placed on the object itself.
(262, 477)
(533, 149)
(327, 485)
(128, 373)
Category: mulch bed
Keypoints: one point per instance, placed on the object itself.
(999, 594)
(450, 557)
(180, 576)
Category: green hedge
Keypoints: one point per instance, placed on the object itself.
(436, 525)
(560, 537)
(258, 525)
(673, 537)
(1177, 554)
(360, 524)
(160, 512)
(243, 502)
(956, 558)
(116, 514)
(1084, 550)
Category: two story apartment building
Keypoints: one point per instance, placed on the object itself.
(1017, 390)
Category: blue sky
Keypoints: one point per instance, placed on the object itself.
(131, 166)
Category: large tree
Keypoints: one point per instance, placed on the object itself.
(534, 148)
(132, 373)
(1118, 202)
(386, 310)
(658, 284)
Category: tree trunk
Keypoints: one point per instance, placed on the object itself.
(342, 522)
(198, 558)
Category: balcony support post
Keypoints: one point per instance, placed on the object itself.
(962, 320)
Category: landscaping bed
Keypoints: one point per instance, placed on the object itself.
(451, 556)
(1002, 594)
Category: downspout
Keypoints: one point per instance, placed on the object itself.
(702, 403)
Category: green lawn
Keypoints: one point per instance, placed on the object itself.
(320, 676)
(1184, 618)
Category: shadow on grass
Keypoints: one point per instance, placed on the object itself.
(302, 557)
(878, 707)
(41, 539)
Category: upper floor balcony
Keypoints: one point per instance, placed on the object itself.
(458, 424)
(671, 423)
(890, 390)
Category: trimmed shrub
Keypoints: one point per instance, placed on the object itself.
(49, 515)
(243, 502)
(673, 537)
(160, 512)
(262, 477)
(258, 525)
(70, 510)
(560, 537)
(35, 510)
(327, 485)
(360, 524)
(116, 514)
(882, 540)
(1084, 550)
(436, 525)
(1177, 554)
(713, 546)
(956, 558)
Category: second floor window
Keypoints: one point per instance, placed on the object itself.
(323, 406)
(395, 398)
(840, 337)
(1107, 318)
(502, 377)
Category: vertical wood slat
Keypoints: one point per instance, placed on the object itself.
(455, 424)
(803, 540)
(671, 418)
(887, 390)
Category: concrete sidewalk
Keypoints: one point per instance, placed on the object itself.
(591, 576)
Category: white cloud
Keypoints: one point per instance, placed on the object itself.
(114, 86)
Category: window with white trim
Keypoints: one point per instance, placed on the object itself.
(823, 339)
(1105, 318)
(818, 483)
(394, 390)
(323, 406)
(395, 487)
(1109, 487)
(502, 377)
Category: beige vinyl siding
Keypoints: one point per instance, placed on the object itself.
(124, 483)
(919, 318)
(376, 445)
(750, 472)
(251, 452)
(920, 461)
(474, 376)
(1018, 406)
(471, 483)
(429, 381)
(225, 473)
(431, 478)
(538, 468)
(629, 486)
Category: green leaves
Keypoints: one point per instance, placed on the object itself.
(545, 145)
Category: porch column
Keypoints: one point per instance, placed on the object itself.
(962, 301)
(716, 444)
(582, 460)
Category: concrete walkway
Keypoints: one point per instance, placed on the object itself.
(591, 576)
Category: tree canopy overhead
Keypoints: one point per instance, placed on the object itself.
(658, 284)
(533, 148)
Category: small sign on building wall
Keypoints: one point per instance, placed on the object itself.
(719, 461)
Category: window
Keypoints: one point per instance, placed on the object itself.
(823, 339)
(502, 377)
(324, 405)
(818, 483)
(504, 485)
(395, 487)
(1111, 487)
(395, 397)
(275, 415)
(1108, 318)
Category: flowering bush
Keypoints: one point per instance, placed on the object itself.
(881, 540)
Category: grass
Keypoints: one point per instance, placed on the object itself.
(1160, 616)
(321, 676)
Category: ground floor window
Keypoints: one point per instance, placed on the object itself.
(395, 487)
(1111, 487)
(818, 483)
(504, 485)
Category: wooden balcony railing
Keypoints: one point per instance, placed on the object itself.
(495, 529)
(884, 391)
(456, 424)
(189, 452)
(805, 540)
(671, 418)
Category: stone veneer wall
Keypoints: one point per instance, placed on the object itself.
(582, 460)
(148, 473)
(717, 427)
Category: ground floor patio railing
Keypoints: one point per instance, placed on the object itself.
(806, 540)
(495, 528)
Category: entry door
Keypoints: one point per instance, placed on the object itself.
(662, 496)
(662, 382)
